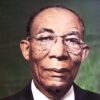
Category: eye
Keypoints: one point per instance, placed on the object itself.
(72, 40)
(45, 38)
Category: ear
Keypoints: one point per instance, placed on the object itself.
(25, 47)
(85, 52)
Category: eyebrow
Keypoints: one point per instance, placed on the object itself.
(51, 31)
(73, 33)
(45, 30)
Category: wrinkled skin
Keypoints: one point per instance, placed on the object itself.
(54, 70)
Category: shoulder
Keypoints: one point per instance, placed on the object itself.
(16, 96)
(25, 94)
(82, 94)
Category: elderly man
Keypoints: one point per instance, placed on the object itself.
(55, 48)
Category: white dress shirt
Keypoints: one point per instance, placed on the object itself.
(39, 96)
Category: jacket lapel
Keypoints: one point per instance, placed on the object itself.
(26, 93)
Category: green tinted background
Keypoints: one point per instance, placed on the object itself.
(14, 14)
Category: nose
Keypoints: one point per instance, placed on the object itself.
(57, 50)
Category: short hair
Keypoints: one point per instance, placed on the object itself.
(31, 19)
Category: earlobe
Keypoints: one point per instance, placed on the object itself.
(25, 46)
(85, 52)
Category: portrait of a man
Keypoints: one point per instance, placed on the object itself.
(54, 48)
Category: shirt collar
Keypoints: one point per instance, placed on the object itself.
(39, 96)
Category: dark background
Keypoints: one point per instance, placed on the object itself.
(14, 14)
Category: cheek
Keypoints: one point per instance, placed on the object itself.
(76, 58)
(74, 72)
(38, 52)
(39, 76)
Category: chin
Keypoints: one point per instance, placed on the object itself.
(57, 89)
(56, 86)
(59, 84)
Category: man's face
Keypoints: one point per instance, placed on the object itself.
(53, 58)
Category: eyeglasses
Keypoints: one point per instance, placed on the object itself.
(72, 44)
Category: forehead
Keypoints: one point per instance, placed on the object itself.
(57, 19)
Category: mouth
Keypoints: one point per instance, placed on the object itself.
(62, 70)
(58, 74)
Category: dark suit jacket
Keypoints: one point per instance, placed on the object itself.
(80, 94)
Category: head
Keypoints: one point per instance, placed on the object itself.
(54, 48)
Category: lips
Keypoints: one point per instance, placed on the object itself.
(57, 74)
(62, 70)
